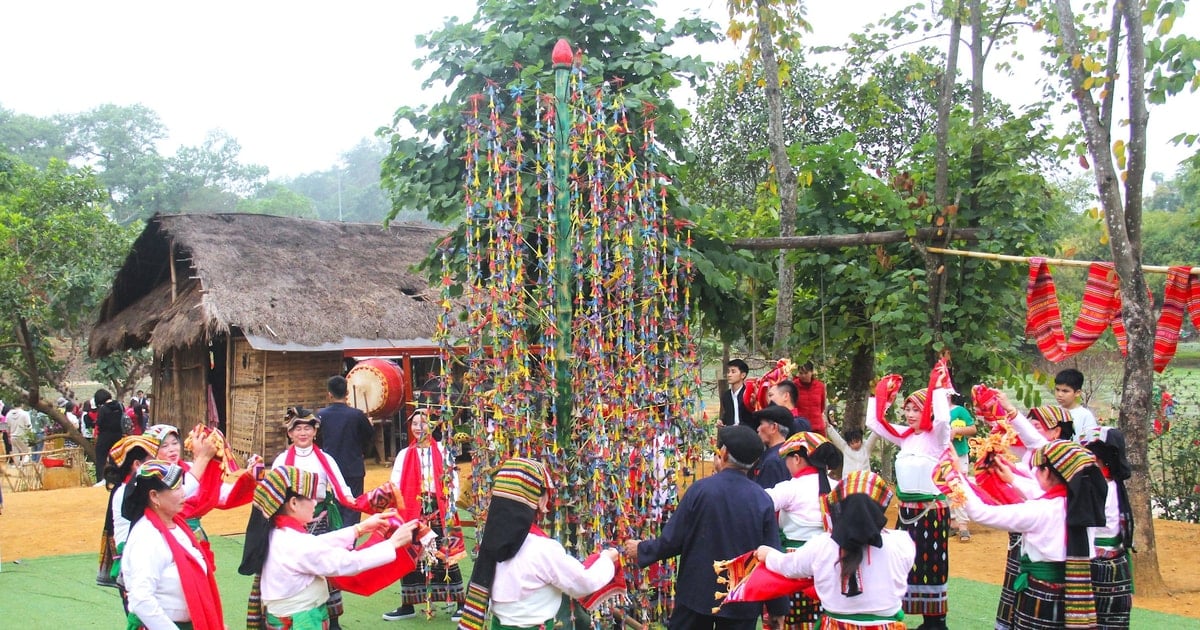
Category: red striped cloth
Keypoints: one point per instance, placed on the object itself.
(1182, 292)
(1043, 321)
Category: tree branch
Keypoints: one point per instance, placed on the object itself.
(836, 241)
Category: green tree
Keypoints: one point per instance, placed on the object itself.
(279, 200)
(60, 253)
(509, 44)
(1085, 52)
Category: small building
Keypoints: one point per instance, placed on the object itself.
(249, 314)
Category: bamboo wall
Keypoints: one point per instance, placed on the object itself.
(262, 385)
(179, 386)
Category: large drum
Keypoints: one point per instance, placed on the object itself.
(376, 387)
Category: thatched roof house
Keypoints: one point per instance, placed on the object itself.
(263, 309)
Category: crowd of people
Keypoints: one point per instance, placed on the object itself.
(1064, 505)
(789, 488)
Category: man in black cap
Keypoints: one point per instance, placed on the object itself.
(774, 426)
(720, 517)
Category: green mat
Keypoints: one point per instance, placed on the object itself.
(60, 593)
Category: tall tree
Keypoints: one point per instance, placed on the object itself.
(60, 252)
(1090, 65)
(772, 25)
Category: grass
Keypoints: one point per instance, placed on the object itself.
(58, 592)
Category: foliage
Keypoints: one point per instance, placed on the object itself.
(120, 372)
(509, 44)
(60, 253)
(1175, 460)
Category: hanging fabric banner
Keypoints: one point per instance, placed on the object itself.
(1101, 308)
(1182, 293)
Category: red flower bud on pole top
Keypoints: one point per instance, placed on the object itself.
(562, 55)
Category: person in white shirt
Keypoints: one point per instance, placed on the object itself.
(420, 476)
(293, 564)
(1068, 393)
(924, 512)
(860, 568)
(1057, 541)
(521, 574)
(168, 574)
(856, 452)
(124, 459)
(20, 430)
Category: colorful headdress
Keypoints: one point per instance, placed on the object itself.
(170, 474)
(860, 482)
(1050, 416)
(120, 451)
(300, 415)
(804, 442)
(918, 398)
(522, 480)
(277, 483)
(160, 432)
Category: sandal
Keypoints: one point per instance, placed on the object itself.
(964, 536)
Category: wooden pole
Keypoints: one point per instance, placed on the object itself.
(835, 241)
(1065, 262)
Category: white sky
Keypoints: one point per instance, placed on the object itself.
(298, 83)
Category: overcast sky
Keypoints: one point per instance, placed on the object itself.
(297, 83)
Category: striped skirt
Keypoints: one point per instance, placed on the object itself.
(829, 623)
(1112, 583)
(1008, 597)
(804, 613)
(1041, 606)
(928, 523)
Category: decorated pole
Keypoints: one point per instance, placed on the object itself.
(562, 58)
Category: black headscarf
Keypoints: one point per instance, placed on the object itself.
(857, 523)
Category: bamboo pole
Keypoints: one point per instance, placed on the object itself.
(1064, 262)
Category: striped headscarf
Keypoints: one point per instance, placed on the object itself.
(804, 442)
(120, 451)
(159, 432)
(276, 485)
(854, 516)
(522, 480)
(918, 398)
(170, 474)
(818, 451)
(860, 482)
(1050, 416)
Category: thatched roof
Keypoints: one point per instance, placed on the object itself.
(285, 282)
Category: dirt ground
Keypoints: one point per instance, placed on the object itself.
(55, 522)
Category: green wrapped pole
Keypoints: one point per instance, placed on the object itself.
(562, 58)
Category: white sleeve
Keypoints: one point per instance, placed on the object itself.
(398, 467)
(940, 399)
(141, 570)
(1018, 517)
(795, 564)
(569, 575)
(835, 437)
(1029, 435)
(339, 479)
(334, 559)
(875, 426)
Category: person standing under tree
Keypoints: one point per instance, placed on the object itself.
(1068, 393)
(345, 434)
(810, 397)
(721, 516)
(962, 427)
(733, 405)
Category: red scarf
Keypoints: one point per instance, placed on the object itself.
(885, 392)
(804, 472)
(331, 479)
(1057, 491)
(411, 482)
(1182, 293)
(283, 521)
(209, 494)
(199, 587)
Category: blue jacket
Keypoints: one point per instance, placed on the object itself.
(345, 434)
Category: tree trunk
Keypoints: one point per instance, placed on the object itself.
(784, 175)
(858, 387)
(978, 57)
(935, 274)
(1123, 220)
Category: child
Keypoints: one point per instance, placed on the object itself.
(1112, 578)
(924, 513)
(808, 456)
(521, 573)
(1056, 545)
(858, 586)
(962, 426)
(1068, 386)
(294, 563)
(856, 452)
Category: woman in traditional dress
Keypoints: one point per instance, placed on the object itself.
(809, 457)
(859, 569)
(420, 475)
(924, 512)
(521, 573)
(331, 487)
(123, 461)
(1054, 586)
(168, 574)
(294, 563)
(1112, 577)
